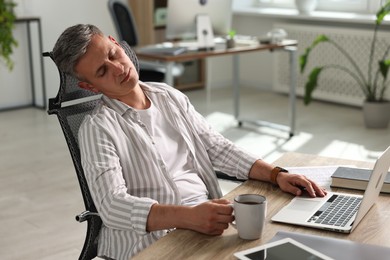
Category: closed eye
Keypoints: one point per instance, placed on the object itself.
(101, 71)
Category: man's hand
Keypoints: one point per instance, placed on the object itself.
(296, 183)
(211, 217)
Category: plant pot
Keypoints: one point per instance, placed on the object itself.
(376, 114)
(306, 6)
(230, 43)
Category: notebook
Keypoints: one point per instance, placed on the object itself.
(323, 214)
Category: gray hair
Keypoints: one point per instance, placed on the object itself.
(71, 45)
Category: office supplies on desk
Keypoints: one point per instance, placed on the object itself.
(355, 178)
(174, 50)
(319, 174)
(339, 249)
(321, 212)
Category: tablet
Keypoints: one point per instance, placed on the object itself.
(284, 249)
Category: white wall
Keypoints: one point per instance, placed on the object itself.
(255, 67)
(56, 15)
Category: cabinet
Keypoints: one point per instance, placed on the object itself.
(150, 33)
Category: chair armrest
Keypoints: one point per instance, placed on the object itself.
(224, 176)
(83, 216)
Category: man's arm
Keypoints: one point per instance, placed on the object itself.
(288, 182)
(210, 218)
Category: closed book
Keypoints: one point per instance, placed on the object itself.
(355, 178)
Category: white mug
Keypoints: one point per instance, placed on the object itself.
(250, 211)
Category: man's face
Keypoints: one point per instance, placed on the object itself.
(106, 68)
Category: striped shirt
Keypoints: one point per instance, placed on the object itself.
(126, 174)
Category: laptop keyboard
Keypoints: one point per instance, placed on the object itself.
(337, 211)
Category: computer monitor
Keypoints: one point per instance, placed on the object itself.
(181, 17)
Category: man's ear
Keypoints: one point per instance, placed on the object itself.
(87, 86)
(113, 40)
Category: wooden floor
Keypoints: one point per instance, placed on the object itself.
(39, 193)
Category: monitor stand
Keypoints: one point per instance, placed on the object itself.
(205, 33)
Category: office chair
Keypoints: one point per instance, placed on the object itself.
(126, 28)
(71, 105)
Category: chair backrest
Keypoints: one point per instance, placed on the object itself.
(123, 20)
(71, 105)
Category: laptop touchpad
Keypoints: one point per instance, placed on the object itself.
(304, 204)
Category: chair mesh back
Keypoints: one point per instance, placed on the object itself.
(71, 105)
(71, 116)
(124, 22)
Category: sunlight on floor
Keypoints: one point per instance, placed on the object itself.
(270, 144)
(353, 151)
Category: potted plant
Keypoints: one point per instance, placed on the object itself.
(7, 40)
(230, 40)
(373, 83)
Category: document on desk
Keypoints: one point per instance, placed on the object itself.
(319, 174)
(173, 50)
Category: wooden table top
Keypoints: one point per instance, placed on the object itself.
(194, 55)
(186, 244)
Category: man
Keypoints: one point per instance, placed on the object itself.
(148, 156)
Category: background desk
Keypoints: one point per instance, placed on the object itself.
(287, 45)
(186, 244)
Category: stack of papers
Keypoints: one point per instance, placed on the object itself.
(176, 50)
(320, 174)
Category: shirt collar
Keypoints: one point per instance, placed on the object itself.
(121, 107)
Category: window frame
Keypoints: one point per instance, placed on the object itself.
(361, 6)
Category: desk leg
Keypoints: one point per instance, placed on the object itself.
(293, 82)
(31, 64)
(42, 64)
(292, 95)
(169, 73)
(236, 86)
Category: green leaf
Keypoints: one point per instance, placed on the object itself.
(7, 40)
(384, 66)
(319, 39)
(304, 57)
(380, 15)
(311, 84)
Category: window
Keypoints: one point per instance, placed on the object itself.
(360, 6)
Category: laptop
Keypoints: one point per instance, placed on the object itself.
(322, 212)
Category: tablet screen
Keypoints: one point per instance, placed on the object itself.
(281, 250)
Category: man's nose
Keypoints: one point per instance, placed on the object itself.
(118, 68)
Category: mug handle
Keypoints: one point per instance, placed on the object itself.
(233, 223)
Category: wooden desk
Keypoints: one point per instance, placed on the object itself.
(186, 244)
(287, 45)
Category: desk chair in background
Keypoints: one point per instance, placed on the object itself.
(127, 31)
